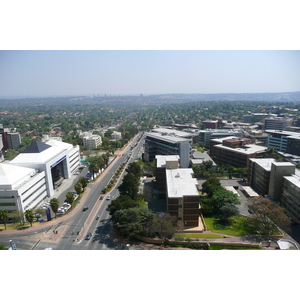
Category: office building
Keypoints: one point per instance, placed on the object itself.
(206, 135)
(277, 123)
(92, 141)
(290, 198)
(284, 141)
(257, 117)
(158, 144)
(234, 151)
(21, 188)
(58, 160)
(183, 197)
(116, 135)
(211, 124)
(164, 162)
(13, 140)
(265, 176)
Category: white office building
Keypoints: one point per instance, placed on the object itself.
(21, 188)
(58, 160)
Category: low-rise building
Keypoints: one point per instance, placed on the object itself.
(234, 151)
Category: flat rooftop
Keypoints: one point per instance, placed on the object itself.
(247, 149)
(175, 132)
(181, 183)
(167, 138)
(265, 163)
(162, 159)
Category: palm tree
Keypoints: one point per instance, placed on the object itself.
(4, 217)
(78, 187)
(29, 215)
(54, 203)
(70, 197)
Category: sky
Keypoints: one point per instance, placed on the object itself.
(43, 73)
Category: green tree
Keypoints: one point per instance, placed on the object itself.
(2, 247)
(94, 168)
(54, 204)
(129, 186)
(70, 197)
(29, 215)
(10, 154)
(39, 212)
(224, 199)
(131, 221)
(4, 217)
(83, 182)
(78, 187)
(267, 216)
(122, 202)
(163, 226)
(135, 169)
(211, 185)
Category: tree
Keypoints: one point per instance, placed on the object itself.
(39, 212)
(129, 186)
(163, 226)
(54, 204)
(2, 247)
(131, 221)
(83, 182)
(135, 169)
(226, 211)
(4, 217)
(211, 185)
(122, 202)
(221, 198)
(70, 197)
(29, 215)
(94, 168)
(267, 216)
(78, 187)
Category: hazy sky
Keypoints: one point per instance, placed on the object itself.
(48, 73)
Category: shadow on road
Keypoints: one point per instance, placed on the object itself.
(106, 235)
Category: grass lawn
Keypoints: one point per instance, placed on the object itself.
(236, 227)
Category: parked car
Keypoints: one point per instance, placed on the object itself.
(108, 197)
(88, 236)
(85, 208)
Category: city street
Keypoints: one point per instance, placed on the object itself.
(78, 223)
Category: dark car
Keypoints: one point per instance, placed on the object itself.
(88, 236)
(85, 208)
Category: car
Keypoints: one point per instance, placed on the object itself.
(88, 236)
(85, 208)
(108, 197)
(66, 206)
(61, 210)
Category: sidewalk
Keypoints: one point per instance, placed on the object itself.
(54, 224)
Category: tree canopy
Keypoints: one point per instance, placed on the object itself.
(266, 216)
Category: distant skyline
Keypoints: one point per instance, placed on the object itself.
(128, 72)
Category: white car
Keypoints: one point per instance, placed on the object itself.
(61, 210)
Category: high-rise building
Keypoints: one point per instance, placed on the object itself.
(13, 140)
(158, 144)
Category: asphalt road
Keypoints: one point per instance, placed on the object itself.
(100, 229)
